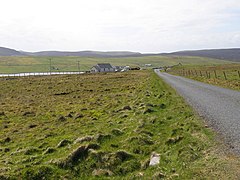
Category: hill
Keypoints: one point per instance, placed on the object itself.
(84, 53)
(9, 52)
(224, 54)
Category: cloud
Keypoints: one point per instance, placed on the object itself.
(137, 25)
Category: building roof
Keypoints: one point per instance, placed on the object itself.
(104, 65)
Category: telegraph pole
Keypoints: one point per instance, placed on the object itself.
(78, 67)
(50, 66)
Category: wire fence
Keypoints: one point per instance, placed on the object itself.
(217, 74)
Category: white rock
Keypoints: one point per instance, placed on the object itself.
(155, 159)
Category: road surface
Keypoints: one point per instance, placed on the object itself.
(219, 106)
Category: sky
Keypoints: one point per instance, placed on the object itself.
(147, 26)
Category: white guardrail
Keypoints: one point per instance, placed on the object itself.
(38, 74)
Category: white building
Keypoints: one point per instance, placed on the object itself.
(106, 67)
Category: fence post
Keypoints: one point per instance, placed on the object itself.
(215, 74)
(239, 74)
(196, 72)
(201, 73)
(224, 75)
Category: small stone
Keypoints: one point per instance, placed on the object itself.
(154, 159)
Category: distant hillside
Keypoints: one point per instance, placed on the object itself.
(9, 52)
(12, 52)
(224, 54)
(85, 53)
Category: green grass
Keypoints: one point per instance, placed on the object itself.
(213, 74)
(41, 64)
(120, 118)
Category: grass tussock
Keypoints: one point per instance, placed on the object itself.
(103, 125)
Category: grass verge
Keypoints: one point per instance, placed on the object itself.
(227, 75)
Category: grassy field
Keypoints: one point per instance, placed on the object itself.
(225, 75)
(104, 125)
(41, 64)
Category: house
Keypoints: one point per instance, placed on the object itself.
(106, 67)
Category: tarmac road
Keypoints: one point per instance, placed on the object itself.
(220, 107)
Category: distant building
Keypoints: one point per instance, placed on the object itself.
(106, 67)
(148, 65)
(119, 68)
